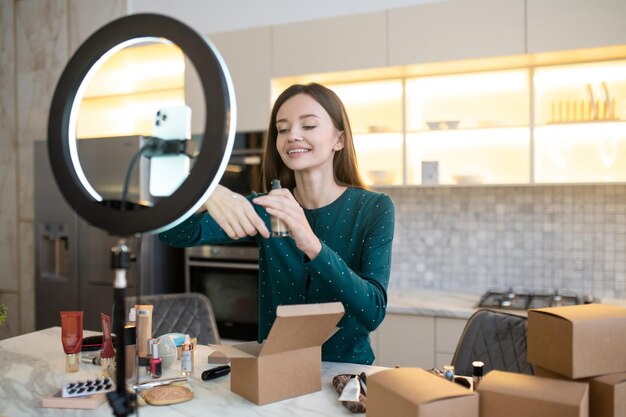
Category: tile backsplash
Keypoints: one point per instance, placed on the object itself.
(472, 239)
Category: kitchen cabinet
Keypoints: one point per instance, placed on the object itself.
(573, 24)
(419, 341)
(336, 44)
(248, 56)
(453, 30)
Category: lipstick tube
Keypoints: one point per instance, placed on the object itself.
(72, 338)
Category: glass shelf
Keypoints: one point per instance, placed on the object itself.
(380, 158)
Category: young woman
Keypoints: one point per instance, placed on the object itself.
(339, 248)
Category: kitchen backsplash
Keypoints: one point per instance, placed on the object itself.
(473, 239)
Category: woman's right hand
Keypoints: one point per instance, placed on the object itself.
(235, 214)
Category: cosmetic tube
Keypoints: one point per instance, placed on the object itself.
(144, 332)
(279, 229)
(107, 354)
(72, 338)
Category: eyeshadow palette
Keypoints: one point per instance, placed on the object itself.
(87, 387)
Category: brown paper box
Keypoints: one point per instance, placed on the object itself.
(607, 393)
(412, 392)
(578, 341)
(518, 395)
(289, 362)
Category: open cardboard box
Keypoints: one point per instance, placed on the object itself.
(518, 395)
(607, 393)
(289, 362)
(578, 341)
(413, 392)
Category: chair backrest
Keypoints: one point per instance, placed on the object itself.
(495, 338)
(181, 313)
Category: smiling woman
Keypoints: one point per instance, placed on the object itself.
(339, 247)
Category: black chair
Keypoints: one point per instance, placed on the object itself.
(495, 338)
(190, 313)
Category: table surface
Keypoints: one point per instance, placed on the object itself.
(32, 366)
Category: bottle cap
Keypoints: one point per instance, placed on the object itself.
(187, 340)
(132, 315)
(275, 184)
(155, 350)
(477, 368)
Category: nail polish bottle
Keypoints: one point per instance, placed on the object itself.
(279, 229)
(155, 361)
(149, 344)
(186, 357)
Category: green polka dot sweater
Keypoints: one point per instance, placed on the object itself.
(356, 231)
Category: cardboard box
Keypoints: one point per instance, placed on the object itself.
(607, 393)
(413, 392)
(519, 395)
(578, 341)
(289, 362)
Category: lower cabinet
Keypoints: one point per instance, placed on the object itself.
(416, 341)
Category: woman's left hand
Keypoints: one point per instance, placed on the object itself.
(282, 204)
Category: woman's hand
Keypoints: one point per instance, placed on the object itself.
(234, 213)
(282, 204)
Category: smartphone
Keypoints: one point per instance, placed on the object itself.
(168, 172)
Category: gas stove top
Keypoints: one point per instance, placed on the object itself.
(524, 300)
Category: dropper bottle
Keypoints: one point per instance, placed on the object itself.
(279, 228)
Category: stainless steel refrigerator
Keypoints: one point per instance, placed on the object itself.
(72, 258)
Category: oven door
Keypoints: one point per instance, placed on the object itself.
(232, 287)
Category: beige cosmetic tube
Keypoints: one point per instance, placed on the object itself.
(144, 329)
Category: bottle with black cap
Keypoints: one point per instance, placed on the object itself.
(477, 373)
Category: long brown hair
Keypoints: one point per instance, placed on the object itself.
(345, 167)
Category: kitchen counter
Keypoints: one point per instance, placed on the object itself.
(421, 302)
(32, 365)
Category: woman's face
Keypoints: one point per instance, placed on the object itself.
(307, 138)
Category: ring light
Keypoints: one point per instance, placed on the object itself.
(217, 140)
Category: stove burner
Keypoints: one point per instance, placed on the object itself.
(523, 300)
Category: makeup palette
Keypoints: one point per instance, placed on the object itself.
(87, 387)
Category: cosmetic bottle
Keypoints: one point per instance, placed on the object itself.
(72, 338)
(107, 353)
(130, 341)
(155, 361)
(148, 357)
(477, 373)
(279, 229)
(448, 372)
(144, 331)
(186, 357)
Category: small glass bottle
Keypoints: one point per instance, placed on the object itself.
(477, 373)
(448, 372)
(150, 343)
(155, 361)
(279, 229)
(186, 357)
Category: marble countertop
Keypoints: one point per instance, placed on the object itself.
(423, 302)
(32, 366)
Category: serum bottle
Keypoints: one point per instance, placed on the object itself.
(186, 357)
(279, 229)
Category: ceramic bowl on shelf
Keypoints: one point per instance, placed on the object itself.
(443, 124)
(468, 179)
(382, 177)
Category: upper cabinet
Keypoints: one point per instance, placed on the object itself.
(337, 44)
(573, 24)
(248, 56)
(453, 30)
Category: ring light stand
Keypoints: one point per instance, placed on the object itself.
(131, 219)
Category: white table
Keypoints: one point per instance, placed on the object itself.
(32, 366)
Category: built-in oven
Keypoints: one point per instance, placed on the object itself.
(229, 274)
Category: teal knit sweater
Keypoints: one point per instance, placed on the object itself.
(356, 231)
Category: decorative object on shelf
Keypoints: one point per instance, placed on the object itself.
(591, 109)
(430, 172)
(3, 314)
(443, 124)
(382, 177)
(468, 179)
